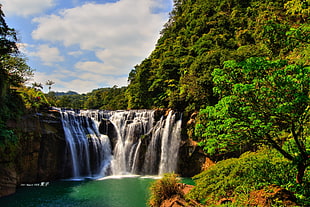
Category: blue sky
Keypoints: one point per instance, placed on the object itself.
(84, 45)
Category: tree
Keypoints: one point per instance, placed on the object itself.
(49, 83)
(262, 102)
(7, 47)
(14, 72)
(299, 9)
(17, 69)
(37, 86)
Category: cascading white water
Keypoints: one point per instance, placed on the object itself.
(130, 126)
(142, 145)
(89, 151)
(170, 144)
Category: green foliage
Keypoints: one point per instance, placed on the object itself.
(8, 37)
(260, 99)
(163, 189)
(8, 143)
(13, 73)
(300, 9)
(237, 177)
(104, 98)
(201, 35)
(33, 99)
(107, 99)
(6, 136)
(75, 101)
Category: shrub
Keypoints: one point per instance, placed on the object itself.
(163, 189)
(33, 99)
(237, 177)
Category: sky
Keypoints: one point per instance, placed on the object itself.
(83, 45)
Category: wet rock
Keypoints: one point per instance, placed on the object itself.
(106, 127)
(8, 179)
(191, 159)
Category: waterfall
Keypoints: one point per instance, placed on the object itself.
(121, 142)
(170, 144)
(89, 151)
(130, 127)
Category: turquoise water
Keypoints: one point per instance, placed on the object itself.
(111, 192)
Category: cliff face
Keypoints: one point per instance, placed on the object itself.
(38, 154)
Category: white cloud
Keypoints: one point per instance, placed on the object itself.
(108, 40)
(82, 82)
(121, 34)
(26, 7)
(81, 86)
(48, 55)
(22, 47)
(75, 53)
(95, 67)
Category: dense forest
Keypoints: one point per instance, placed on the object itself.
(241, 66)
(244, 65)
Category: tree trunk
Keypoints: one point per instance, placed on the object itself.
(301, 167)
(3, 84)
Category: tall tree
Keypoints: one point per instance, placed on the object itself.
(13, 72)
(7, 47)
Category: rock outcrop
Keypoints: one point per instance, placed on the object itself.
(191, 159)
(179, 200)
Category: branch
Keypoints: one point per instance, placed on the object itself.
(277, 147)
(300, 148)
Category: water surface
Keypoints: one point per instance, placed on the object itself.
(108, 192)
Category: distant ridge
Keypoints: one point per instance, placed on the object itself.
(66, 93)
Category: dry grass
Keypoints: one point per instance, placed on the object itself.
(164, 189)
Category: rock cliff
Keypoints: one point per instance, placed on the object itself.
(38, 155)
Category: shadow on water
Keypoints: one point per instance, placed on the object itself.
(124, 192)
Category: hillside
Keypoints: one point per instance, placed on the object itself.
(242, 69)
(201, 35)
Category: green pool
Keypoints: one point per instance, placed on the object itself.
(108, 192)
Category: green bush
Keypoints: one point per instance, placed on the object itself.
(163, 189)
(33, 99)
(237, 177)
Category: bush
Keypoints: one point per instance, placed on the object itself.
(237, 177)
(163, 189)
(33, 99)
